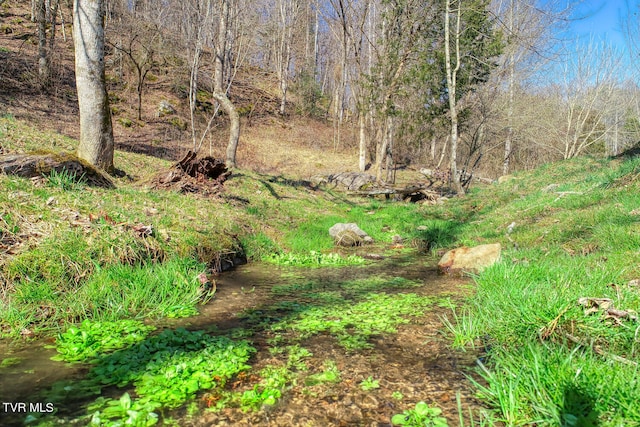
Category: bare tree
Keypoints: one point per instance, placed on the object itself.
(528, 29)
(139, 48)
(222, 53)
(288, 12)
(452, 64)
(587, 91)
(96, 132)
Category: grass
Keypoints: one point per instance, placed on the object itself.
(72, 251)
(550, 361)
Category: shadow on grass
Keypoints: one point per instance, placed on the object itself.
(577, 409)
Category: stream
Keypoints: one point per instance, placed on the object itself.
(415, 364)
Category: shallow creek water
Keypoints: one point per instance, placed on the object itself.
(416, 362)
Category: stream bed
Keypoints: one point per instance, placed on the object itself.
(414, 364)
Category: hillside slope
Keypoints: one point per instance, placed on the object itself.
(294, 145)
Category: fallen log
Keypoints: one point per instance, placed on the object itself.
(32, 165)
(414, 192)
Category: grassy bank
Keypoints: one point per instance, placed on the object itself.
(557, 316)
(71, 251)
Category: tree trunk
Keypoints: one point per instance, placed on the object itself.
(96, 132)
(452, 72)
(43, 57)
(362, 158)
(219, 93)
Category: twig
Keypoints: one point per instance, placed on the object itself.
(547, 330)
(600, 351)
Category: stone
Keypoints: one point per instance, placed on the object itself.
(347, 238)
(469, 260)
(165, 109)
(338, 232)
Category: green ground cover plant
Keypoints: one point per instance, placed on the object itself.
(166, 370)
(369, 384)
(422, 415)
(313, 259)
(329, 374)
(89, 340)
(353, 323)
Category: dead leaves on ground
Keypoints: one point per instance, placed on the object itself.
(609, 314)
(19, 231)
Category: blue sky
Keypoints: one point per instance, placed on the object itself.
(602, 19)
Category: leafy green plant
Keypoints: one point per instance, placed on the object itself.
(397, 395)
(295, 359)
(330, 374)
(313, 259)
(353, 323)
(167, 370)
(422, 415)
(369, 384)
(268, 391)
(171, 367)
(90, 339)
(9, 361)
(124, 411)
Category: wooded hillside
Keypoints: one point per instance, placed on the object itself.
(460, 85)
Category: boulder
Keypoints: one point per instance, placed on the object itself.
(165, 109)
(343, 233)
(347, 238)
(469, 260)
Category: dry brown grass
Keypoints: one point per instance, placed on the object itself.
(299, 148)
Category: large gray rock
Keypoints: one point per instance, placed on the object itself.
(469, 260)
(348, 238)
(349, 234)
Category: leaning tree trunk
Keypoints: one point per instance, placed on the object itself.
(234, 127)
(96, 132)
(219, 93)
